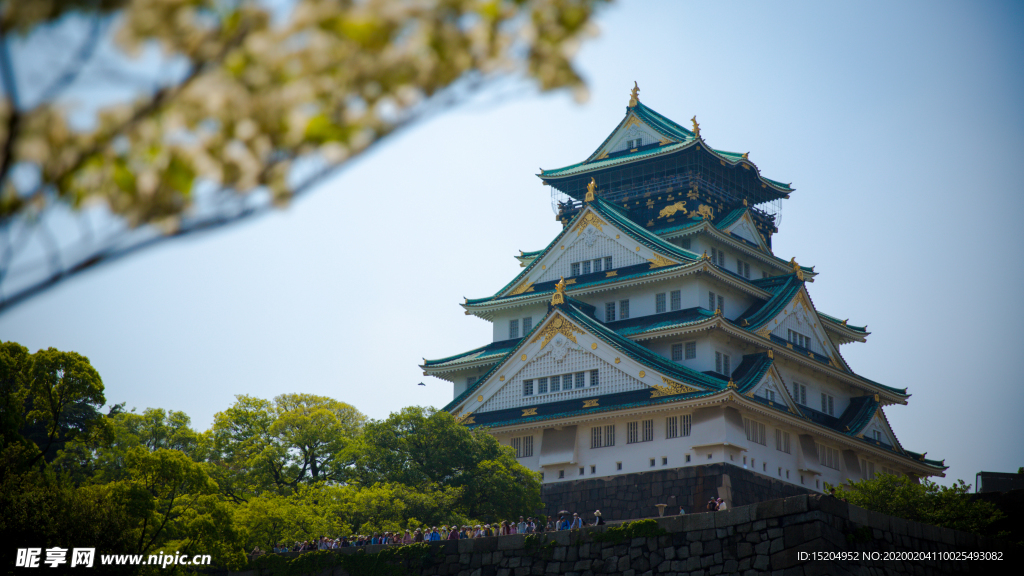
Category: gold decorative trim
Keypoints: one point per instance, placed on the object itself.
(705, 212)
(593, 346)
(634, 95)
(731, 384)
(771, 353)
(523, 357)
(524, 287)
(558, 325)
(637, 248)
(559, 296)
(671, 388)
(590, 403)
(480, 398)
(669, 211)
(588, 219)
(643, 374)
(591, 189)
(612, 273)
(617, 360)
(660, 261)
(696, 128)
(763, 332)
(501, 379)
(466, 419)
(570, 281)
(529, 412)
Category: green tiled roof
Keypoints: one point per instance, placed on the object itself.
(835, 320)
(783, 289)
(681, 138)
(730, 218)
(492, 350)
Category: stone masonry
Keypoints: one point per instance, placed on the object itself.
(636, 495)
(771, 537)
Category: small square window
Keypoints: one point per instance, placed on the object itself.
(561, 473)
(652, 462)
(581, 470)
(664, 461)
(687, 457)
(593, 469)
(709, 456)
(618, 465)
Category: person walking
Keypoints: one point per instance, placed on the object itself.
(576, 523)
(712, 505)
(598, 520)
(721, 505)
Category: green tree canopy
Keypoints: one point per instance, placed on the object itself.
(423, 447)
(924, 501)
(297, 438)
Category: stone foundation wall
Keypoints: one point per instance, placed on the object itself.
(778, 537)
(636, 495)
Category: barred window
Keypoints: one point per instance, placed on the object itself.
(828, 404)
(722, 363)
(659, 303)
(677, 426)
(782, 441)
(691, 350)
(675, 300)
(555, 383)
(800, 393)
(593, 378)
(742, 268)
(755, 431)
(602, 437)
(523, 446)
(527, 387)
(648, 430)
(513, 328)
(828, 456)
(586, 267)
(799, 339)
(581, 379)
(542, 385)
(574, 269)
(527, 325)
(607, 262)
(623, 309)
(632, 437)
(639, 431)
(609, 312)
(677, 352)
(597, 265)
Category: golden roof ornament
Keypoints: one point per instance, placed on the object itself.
(696, 127)
(559, 296)
(634, 95)
(796, 269)
(731, 383)
(591, 188)
(746, 155)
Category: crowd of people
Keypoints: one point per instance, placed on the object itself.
(455, 532)
(438, 533)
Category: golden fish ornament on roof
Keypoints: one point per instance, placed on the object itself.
(634, 95)
(696, 127)
(559, 296)
(591, 189)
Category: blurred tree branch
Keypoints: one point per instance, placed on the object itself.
(257, 102)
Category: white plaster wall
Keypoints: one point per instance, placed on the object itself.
(611, 381)
(574, 248)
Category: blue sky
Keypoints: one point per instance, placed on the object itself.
(898, 124)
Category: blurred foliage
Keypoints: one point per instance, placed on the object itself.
(285, 470)
(262, 86)
(924, 501)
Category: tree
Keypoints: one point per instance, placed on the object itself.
(423, 447)
(263, 100)
(50, 398)
(297, 438)
(927, 502)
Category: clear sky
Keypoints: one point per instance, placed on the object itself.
(899, 124)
